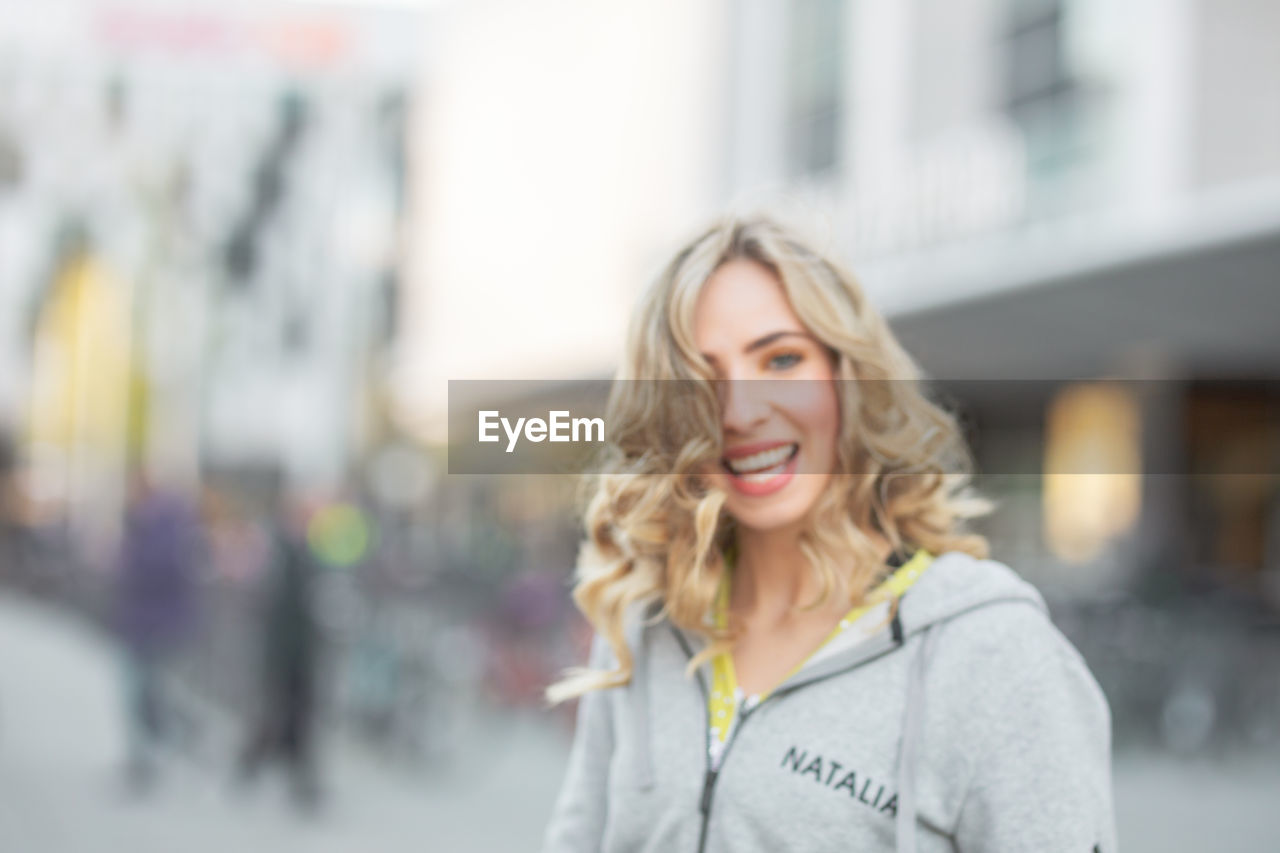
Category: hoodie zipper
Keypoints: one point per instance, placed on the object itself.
(712, 775)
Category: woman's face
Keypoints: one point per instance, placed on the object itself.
(779, 436)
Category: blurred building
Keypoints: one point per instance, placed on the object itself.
(200, 217)
(1041, 194)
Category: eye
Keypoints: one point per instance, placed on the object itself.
(784, 360)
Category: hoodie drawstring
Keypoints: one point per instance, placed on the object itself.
(912, 719)
(640, 709)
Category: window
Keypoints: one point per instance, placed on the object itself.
(815, 86)
(1042, 93)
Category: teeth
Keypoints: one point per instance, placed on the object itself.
(762, 476)
(761, 464)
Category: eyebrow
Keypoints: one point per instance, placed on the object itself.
(765, 340)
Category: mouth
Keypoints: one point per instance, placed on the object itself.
(761, 471)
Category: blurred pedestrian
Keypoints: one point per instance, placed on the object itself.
(155, 598)
(285, 728)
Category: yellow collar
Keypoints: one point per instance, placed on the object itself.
(722, 704)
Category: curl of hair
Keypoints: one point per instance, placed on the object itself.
(657, 532)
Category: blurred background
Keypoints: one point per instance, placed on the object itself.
(244, 246)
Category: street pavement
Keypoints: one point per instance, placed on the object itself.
(61, 790)
(61, 783)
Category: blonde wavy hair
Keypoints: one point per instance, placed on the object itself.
(657, 532)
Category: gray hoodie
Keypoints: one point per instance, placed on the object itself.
(968, 723)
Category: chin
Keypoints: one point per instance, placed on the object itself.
(775, 513)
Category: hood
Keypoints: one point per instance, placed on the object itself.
(953, 586)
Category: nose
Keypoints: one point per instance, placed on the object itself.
(744, 404)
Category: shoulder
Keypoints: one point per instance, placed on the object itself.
(1014, 704)
(983, 607)
(1010, 645)
(1000, 652)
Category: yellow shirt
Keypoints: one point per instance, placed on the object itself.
(725, 698)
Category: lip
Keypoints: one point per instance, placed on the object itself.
(757, 490)
(751, 449)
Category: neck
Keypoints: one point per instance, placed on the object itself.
(771, 578)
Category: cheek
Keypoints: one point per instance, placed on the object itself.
(820, 413)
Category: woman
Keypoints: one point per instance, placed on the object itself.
(797, 646)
